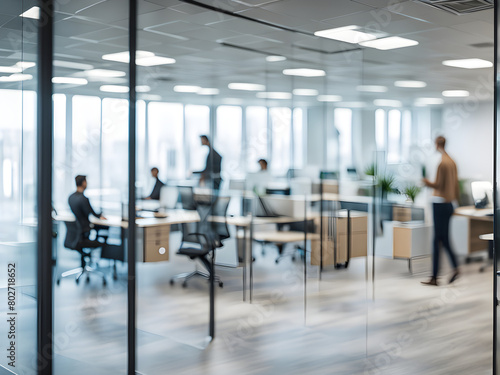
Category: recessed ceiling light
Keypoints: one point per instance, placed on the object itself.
(208, 91)
(351, 104)
(33, 13)
(10, 69)
(329, 98)
(410, 84)
(25, 64)
(387, 103)
(246, 86)
(371, 88)
(70, 80)
(124, 57)
(426, 101)
(391, 42)
(468, 63)
(275, 58)
(347, 34)
(274, 95)
(16, 77)
(114, 88)
(304, 72)
(72, 65)
(142, 88)
(105, 73)
(154, 61)
(305, 92)
(186, 88)
(455, 93)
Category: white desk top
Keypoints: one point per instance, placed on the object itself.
(475, 213)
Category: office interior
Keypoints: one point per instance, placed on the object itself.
(321, 265)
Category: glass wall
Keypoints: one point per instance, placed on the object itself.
(18, 190)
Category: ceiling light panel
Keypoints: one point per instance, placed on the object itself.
(33, 13)
(348, 34)
(17, 77)
(455, 93)
(105, 73)
(246, 86)
(72, 65)
(70, 80)
(329, 98)
(208, 91)
(391, 42)
(187, 88)
(410, 84)
(114, 88)
(468, 63)
(428, 101)
(304, 72)
(371, 88)
(305, 92)
(275, 58)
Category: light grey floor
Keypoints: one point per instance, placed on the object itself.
(335, 328)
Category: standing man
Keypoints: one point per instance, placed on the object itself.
(81, 208)
(446, 192)
(212, 166)
(155, 194)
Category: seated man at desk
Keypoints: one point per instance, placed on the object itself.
(155, 194)
(81, 208)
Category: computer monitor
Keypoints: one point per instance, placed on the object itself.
(169, 195)
(482, 194)
(328, 175)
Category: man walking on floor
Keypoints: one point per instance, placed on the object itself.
(446, 193)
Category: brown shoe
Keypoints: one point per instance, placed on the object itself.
(432, 281)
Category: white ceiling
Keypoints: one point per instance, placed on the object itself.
(213, 49)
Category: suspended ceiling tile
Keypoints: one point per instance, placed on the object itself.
(73, 27)
(316, 9)
(160, 17)
(242, 26)
(209, 33)
(103, 34)
(209, 17)
(115, 10)
(75, 6)
(174, 28)
(481, 28)
(188, 8)
(274, 18)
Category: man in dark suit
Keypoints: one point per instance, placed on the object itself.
(211, 173)
(155, 194)
(81, 208)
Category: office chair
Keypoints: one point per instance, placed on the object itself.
(74, 241)
(205, 237)
(187, 197)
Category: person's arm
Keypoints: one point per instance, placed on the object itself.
(90, 210)
(439, 179)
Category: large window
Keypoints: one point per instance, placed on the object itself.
(298, 138)
(197, 123)
(380, 129)
(62, 170)
(406, 136)
(228, 139)
(343, 123)
(115, 147)
(166, 139)
(86, 137)
(394, 136)
(281, 139)
(257, 136)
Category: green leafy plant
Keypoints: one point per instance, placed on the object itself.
(370, 170)
(411, 191)
(386, 184)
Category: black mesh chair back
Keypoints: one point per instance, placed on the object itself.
(298, 226)
(220, 211)
(187, 197)
(73, 235)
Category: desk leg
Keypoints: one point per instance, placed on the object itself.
(245, 261)
(212, 297)
(251, 262)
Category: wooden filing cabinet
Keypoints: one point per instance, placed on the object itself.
(153, 243)
(358, 239)
(401, 213)
(411, 240)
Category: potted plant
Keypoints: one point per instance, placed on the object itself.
(370, 170)
(411, 191)
(386, 184)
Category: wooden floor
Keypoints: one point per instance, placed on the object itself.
(343, 324)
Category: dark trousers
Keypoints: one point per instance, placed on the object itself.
(442, 213)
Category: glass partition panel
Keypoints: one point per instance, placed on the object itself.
(91, 153)
(18, 189)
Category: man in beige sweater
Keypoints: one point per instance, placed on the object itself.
(446, 192)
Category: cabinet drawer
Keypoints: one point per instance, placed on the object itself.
(156, 250)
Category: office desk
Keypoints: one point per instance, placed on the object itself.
(479, 222)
